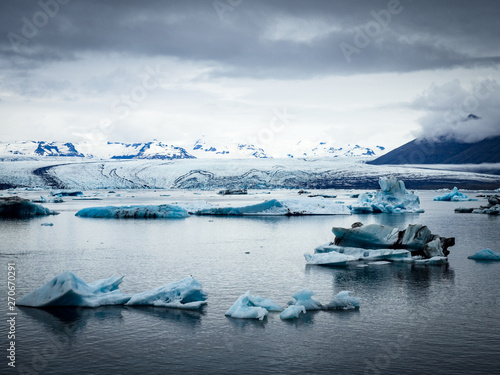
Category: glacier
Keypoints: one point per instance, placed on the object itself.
(67, 289)
(252, 307)
(184, 294)
(343, 301)
(454, 196)
(485, 254)
(392, 198)
(286, 207)
(163, 211)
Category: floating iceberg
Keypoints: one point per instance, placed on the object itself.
(486, 254)
(332, 259)
(416, 238)
(287, 207)
(163, 211)
(184, 294)
(16, 207)
(67, 289)
(292, 312)
(365, 254)
(343, 301)
(252, 307)
(304, 298)
(392, 198)
(453, 196)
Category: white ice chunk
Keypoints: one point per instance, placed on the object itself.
(184, 294)
(292, 311)
(379, 263)
(67, 289)
(365, 254)
(486, 254)
(343, 301)
(436, 260)
(304, 298)
(162, 211)
(329, 259)
(252, 307)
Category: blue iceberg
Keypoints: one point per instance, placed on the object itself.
(454, 196)
(486, 254)
(252, 307)
(292, 312)
(16, 207)
(304, 298)
(343, 301)
(163, 211)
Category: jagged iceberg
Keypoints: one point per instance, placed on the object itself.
(163, 211)
(184, 294)
(252, 307)
(67, 289)
(454, 196)
(286, 207)
(16, 207)
(304, 298)
(343, 301)
(392, 198)
(292, 312)
(486, 254)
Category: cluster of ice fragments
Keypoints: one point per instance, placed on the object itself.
(392, 198)
(256, 307)
(374, 243)
(454, 196)
(67, 289)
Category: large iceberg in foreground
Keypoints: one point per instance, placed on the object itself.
(286, 207)
(16, 207)
(163, 211)
(486, 254)
(252, 307)
(453, 196)
(392, 198)
(67, 289)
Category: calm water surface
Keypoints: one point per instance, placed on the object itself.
(413, 319)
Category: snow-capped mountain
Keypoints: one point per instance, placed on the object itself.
(203, 148)
(329, 149)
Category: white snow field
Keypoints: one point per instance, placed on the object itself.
(67, 289)
(73, 173)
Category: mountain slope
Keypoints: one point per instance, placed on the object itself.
(441, 151)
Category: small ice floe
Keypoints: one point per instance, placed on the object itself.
(454, 196)
(304, 298)
(292, 312)
(252, 307)
(486, 254)
(163, 211)
(343, 301)
(392, 198)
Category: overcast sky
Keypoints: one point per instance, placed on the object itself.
(271, 72)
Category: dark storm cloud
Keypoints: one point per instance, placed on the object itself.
(283, 39)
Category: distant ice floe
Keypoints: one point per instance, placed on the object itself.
(286, 207)
(163, 211)
(16, 207)
(392, 198)
(67, 289)
(379, 243)
(486, 254)
(493, 207)
(454, 196)
(252, 307)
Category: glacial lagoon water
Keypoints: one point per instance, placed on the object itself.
(412, 320)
